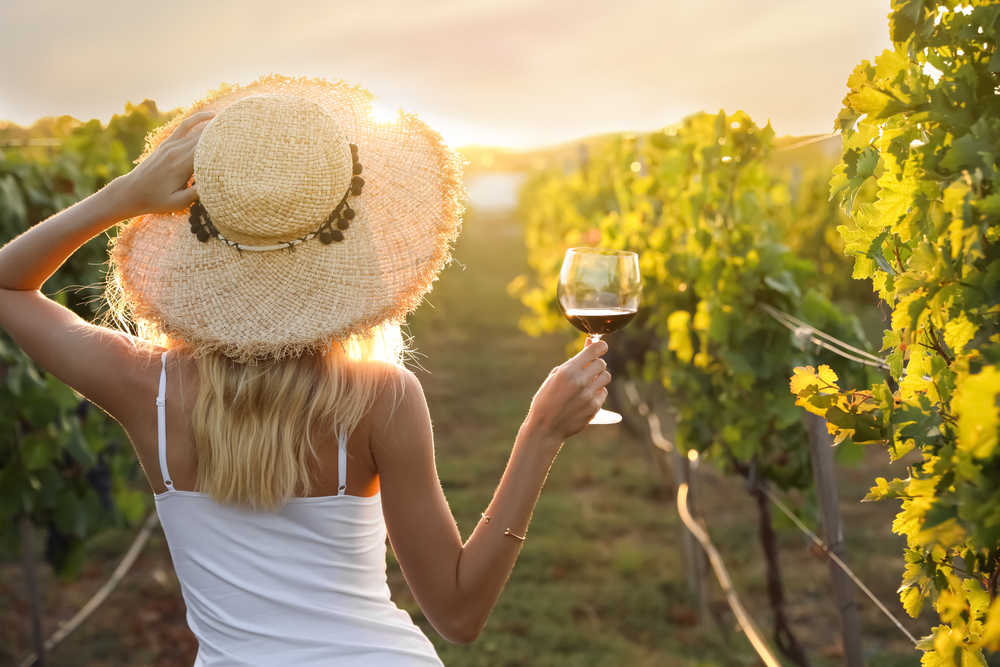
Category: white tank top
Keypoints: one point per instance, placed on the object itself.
(303, 586)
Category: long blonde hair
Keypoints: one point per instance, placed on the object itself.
(254, 424)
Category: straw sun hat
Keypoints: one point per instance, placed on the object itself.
(316, 223)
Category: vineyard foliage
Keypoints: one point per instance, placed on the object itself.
(923, 122)
(705, 211)
(63, 462)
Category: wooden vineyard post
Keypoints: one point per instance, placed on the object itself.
(694, 555)
(31, 581)
(821, 449)
(699, 559)
(683, 472)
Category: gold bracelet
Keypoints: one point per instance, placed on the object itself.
(507, 532)
(486, 519)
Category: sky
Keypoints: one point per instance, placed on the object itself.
(517, 73)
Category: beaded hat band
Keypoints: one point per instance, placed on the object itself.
(275, 171)
(331, 230)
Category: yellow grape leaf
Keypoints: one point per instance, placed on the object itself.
(972, 656)
(945, 644)
(680, 335)
(990, 636)
(954, 197)
(841, 435)
(922, 488)
(912, 385)
(909, 519)
(807, 404)
(950, 605)
(807, 376)
(920, 361)
(958, 332)
(901, 313)
(702, 318)
(978, 417)
(979, 600)
(913, 601)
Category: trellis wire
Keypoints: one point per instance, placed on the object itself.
(801, 329)
(749, 627)
(806, 142)
(836, 559)
(655, 428)
(823, 339)
(746, 623)
(123, 567)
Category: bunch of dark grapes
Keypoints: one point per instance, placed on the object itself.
(99, 479)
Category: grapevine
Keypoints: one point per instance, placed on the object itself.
(923, 122)
(64, 464)
(704, 210)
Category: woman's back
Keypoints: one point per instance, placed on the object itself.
(297, 586)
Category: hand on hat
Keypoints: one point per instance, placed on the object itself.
(159, 184)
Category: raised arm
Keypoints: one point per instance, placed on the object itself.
(97, 362)
(455, 585)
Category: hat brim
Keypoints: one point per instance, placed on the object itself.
(281, 303)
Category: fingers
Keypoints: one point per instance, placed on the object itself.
(186, 147)
(184, 198)
(601, 396)
(185, 126)
(595, 367)
(590, 353)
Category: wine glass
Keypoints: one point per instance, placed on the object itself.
(599, 292)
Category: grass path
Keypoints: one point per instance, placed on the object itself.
(584, 591)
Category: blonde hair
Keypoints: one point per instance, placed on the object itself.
(254, 424)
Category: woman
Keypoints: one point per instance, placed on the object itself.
(265, 395)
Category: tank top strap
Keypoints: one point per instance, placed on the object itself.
(161, 423)
(342, 461)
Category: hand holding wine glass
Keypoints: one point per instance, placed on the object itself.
(599, 293)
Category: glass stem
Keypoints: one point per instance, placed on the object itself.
(595, 337)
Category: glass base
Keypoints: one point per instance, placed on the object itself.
(606, 417)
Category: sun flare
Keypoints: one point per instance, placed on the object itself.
(383, 113)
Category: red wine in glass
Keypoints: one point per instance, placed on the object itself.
(597, 321)
(599, 293)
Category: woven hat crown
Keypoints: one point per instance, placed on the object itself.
(271, 168)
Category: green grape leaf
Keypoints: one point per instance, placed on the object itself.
(939, 514)
(857, 167)
(969, 152)
(78, 447)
